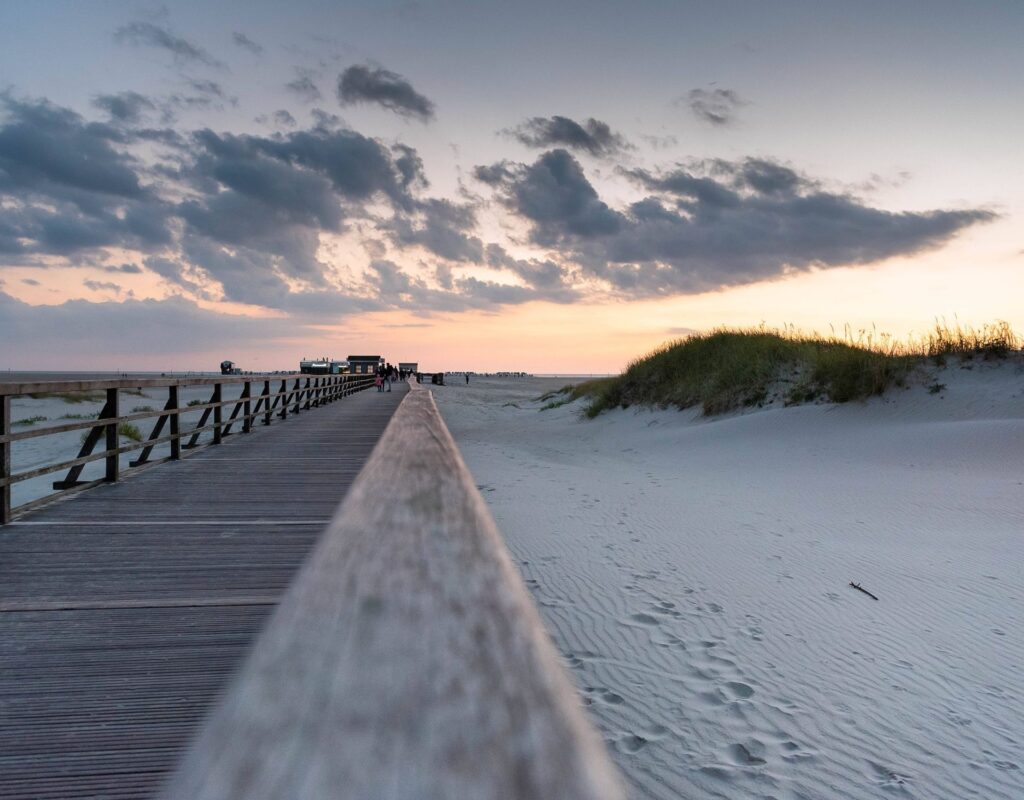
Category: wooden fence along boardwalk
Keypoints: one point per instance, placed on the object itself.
(403, 658)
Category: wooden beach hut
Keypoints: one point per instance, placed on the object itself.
(364, 365)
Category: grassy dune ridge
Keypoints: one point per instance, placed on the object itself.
(728, 369)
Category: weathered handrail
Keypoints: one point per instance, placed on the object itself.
(294, 393)
(406, 659)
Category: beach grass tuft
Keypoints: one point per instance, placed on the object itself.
(29, 421)
(70, 397)
(129, 431)
(728, 369)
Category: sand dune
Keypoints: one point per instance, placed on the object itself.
(694, 573)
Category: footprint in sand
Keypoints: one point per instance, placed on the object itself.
(631, 743)
(739, 690)
(886, 777)
(749, 755)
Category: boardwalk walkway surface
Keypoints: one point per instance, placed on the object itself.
(124, 610)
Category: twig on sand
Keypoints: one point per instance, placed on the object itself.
(860, 588)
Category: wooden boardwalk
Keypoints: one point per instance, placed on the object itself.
(124, 610)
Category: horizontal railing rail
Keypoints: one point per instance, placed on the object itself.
(406, 659)
(274, 396)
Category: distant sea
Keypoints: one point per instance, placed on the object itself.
(15, 376)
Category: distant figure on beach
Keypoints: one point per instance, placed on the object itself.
(467, 379)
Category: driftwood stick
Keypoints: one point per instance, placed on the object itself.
(860, 588)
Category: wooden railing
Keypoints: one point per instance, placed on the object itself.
(406, 659)
(262, 398)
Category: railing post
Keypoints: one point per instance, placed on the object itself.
(217, 415)
(285, 399)
(266, 402)
(247, 407)
(174, 410)
(111, 436)
(5, 459)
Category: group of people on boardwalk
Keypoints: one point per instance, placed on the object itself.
(388, 374)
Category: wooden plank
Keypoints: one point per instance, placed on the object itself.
(406, 659)
(118, 630)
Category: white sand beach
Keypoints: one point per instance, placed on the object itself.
(695, 574)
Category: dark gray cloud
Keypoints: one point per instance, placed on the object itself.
(99, 286)
(714, 106)
(440, 226)
(750, 220)
(365, 84)
(127, 107)
(284, 118)
(30, 281)
(152, 35)
(67, 185)
(591, 136)
(262, 203)
(128, 269)
(246, 43)
(44, 146)
(304, 86)
(556, 197)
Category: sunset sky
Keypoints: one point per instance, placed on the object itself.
(553, 187)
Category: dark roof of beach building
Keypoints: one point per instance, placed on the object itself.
(365, 358)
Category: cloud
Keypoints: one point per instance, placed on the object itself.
(149, 34)
(304, 87)
(66, 185)
(551, 280)
(98, 286)
(735, 223)
(128, 269)
(154, 327)
(246, 43)
(365, 84)
(206, 95)
(441, 227)
(126, 107)
(284, 119)
(715, 106)
(399, 289)
(660, 142)
(556, 197)
(592, 136)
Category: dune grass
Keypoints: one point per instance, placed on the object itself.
(129, 431)
(29, 421)
(729, 369)
(71, 397)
